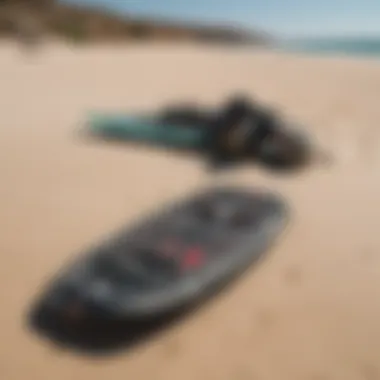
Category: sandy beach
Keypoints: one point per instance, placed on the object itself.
(310, 311)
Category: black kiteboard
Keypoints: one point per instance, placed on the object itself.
(171, 259)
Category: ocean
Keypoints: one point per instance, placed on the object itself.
(368, 47)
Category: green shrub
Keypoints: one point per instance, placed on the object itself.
(74, 32)
(139, 31)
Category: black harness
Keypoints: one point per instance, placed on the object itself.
(238, 133)
(241, 131)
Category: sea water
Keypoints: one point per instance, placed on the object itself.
(368, 47)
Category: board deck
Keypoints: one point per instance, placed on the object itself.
(145, 129)
(172, 258)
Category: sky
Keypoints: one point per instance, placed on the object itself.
(286, 18)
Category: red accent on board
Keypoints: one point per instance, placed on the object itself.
(193, 258)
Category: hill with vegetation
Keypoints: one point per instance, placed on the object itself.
(57, 19)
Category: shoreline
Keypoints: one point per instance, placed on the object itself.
(120, 46)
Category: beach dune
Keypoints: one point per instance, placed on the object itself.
(310, 311)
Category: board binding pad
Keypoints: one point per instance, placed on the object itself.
(173, 258)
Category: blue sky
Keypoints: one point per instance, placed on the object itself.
(284, 17)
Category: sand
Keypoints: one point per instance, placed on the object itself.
(310, 311)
